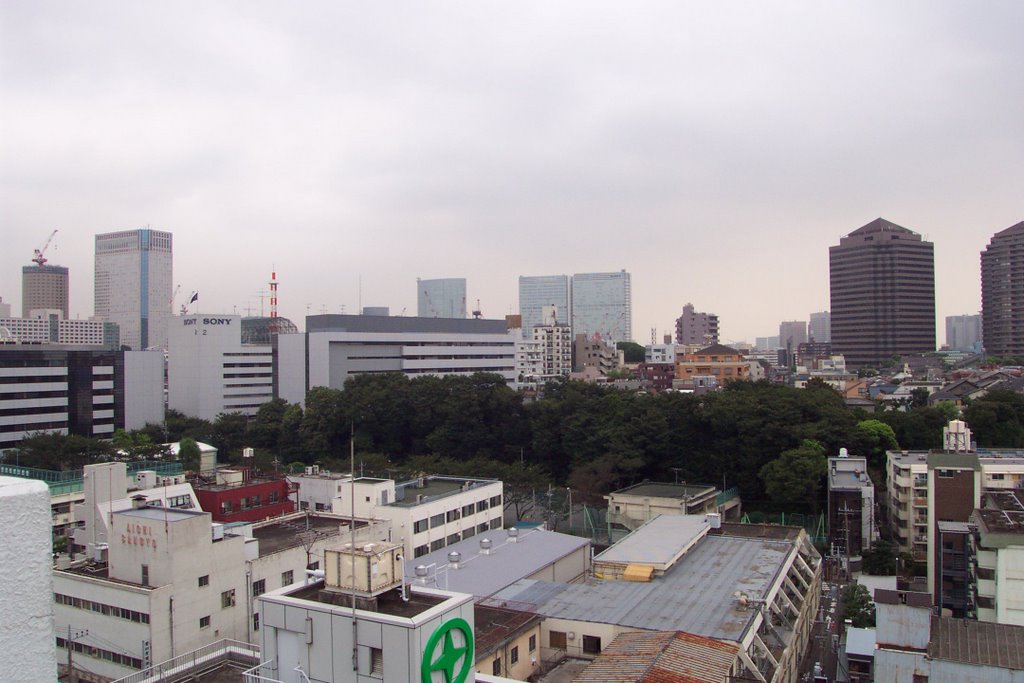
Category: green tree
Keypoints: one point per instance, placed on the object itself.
(858, 606)
(880, 560)
(189, 454)
(265, 430)
(631, 351)
(794, 478)
(229, 435)
(997, 419)
(874, 438)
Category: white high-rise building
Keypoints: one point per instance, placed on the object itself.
(538, 291)
(441, 298)
(820, 327)
(602, 304)
(133, 285)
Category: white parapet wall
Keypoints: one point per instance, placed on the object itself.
(27, 647)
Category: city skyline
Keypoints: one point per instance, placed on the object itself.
(707, 161)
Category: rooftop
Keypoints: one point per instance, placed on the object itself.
(1003, 512)
(278, 536)
(696, 595)
(493, 626)
(425, 489)
(161, 514)
(390, 603)
(659, 541)
(662, 657)
(484, 575)
(977, 642)
(659, 490)
(860, 642)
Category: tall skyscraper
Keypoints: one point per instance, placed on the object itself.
(792, 333)
(963, 332)
(46, 287)
(696, 328)
(538, 291)
(441, 298)
(602, 304)
(820, 327)
(133, 285)
(1002, 293)
(882, 282)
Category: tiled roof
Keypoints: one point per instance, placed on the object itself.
(662, 657)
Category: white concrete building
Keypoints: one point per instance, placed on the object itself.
(660, 353)
(335, 347)
(133, 285)
(428, 513)
(997, 544)
(75, 391)
(27, 650)
(210, 371)
(47, 327)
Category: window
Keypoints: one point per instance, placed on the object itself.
(245, 503)
(591, 645)
(481, 528)
(225, 506)
(467, 533)
(986, 573)
(556, 640)
(496, 523)
(946, 474)
(533, 643)
(256, 621)
(496, 667)
(436, 521)
(481, 505)
(145, 575)
(227, 598)
(272, 498)
(287, 578)
(255, 501)
(420, 525)
(453, 538)
(513, 656)
(467, 510)
(204, 622)
(259, 587)
(376, 662)
(204, 580)
(313, 565)
(367, 499)
(453, 515)
(420, 550)
(985, 602)
(495, 501)
(436, 545)
(998, 477)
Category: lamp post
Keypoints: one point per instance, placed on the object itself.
(570, 508)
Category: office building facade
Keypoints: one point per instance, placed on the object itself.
(44, 287)
(963, 332)
(133, 285)
(210, 371)
(74, 391)
(695, 328)
(335, 347)
(882, 282)
(819, 328)
(441, 298)
(536, 292)
(1002, 293)
(602, 304)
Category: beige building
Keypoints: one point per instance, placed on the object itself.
(640, 503)
(721, 362)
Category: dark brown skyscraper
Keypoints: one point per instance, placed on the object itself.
(44, 287)
(1002, 293)
(882, 281)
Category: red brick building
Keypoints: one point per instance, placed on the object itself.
(236, 496)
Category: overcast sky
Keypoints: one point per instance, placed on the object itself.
(714, 150)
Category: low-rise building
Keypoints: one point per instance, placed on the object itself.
(996, 557)
(852, 524)
(593, 352)
(235, 495)
(721, 362)
(640, 503)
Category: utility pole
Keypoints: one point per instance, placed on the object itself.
(72, 637)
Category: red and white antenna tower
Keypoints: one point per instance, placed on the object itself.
(273, 294)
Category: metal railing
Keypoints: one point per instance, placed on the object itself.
(70, 481)
(206, 657)
(255, 674)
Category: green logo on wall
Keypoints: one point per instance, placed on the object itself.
(447, 658)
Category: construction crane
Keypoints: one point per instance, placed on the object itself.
(39, 259)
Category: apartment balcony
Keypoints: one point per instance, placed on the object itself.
(921, 503)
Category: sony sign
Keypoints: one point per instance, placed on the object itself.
(206, 321)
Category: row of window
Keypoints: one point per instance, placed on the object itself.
(453, 515)
(100, 653)
(421, 550)
(226, 506)
(513, 656)
(106, 610)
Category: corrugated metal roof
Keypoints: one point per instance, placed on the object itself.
(695, 596)
(657, 541)
(662, 657)
(977, 642)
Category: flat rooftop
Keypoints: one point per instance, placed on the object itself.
(390, 602)
(1003, 512)
(659, 541)
(977, 642)
(696, 595)
(484, 575)
(433, 488)
(279, 536)
(660, 490)
(161, 514)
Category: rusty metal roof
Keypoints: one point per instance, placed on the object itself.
(977, 642)
(662, 657)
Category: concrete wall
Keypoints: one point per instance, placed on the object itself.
(27, 650)
(143, 389)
